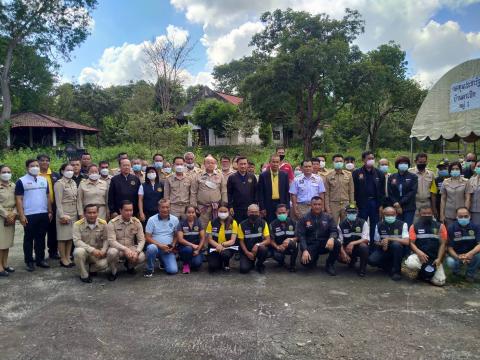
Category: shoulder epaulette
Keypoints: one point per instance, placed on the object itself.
(101, 221)
(115, 219)
(80, 222)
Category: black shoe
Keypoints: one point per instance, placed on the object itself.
(30, 267)
(361, 273)
(4, 273)
(87, 280)
(260, 269)
(112, 277)
(330, 269)
(131, 271)
(92, 274)
(396, 277)
(292, 269)
(148, 273)
(43, 264)
(54, 257)
(63, 265)
(9, 269)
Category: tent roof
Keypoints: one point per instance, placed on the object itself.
(437, 118)
(34, 120)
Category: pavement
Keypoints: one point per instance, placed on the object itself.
(50, 314)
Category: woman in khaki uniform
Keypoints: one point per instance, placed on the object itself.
(8, 214)
(473, 195)
(93, 191)
(454, 194)
(66, 201)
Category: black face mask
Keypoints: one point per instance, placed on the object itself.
(281, 157)
(421, 167)
(253, 218)
(426, 219)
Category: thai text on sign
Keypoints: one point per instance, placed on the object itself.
(465, 95)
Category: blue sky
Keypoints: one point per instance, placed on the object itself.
(437, 34)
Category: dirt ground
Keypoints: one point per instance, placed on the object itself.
(50, 314)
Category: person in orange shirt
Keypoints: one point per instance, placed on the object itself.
(428, 241)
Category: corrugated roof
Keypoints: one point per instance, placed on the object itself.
(235, 100)
(35, 120)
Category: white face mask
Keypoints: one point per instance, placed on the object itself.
(68, 174)
(371, 163)
(179, 169)
(144, 168)
(190, 166)
(223, 215)
(6, 176)
(151, 176)
(34, 171)
(322, 164)
(350, 166)
(94, 177)
(104, 172)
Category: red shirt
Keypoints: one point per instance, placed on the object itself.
(286, 168)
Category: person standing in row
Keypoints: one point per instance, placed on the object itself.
(177, 188)
(137, 169)
(104, 170)
(241, 190)
(442, 174)
(454, 194)
(339, 190)
(85, 162)
(208, 189)
(350, 163)
(123, 186)
(192, 169)
(93, 191)
(273, 189)
(91, 243)
(322, 167)
(77, 174)
(66, 215)
(8, 214)
(427, 189)
(284, 165)
(473, 195)
(35, 212)
(304, 188)
(227, 169)
(149, 194)
(468, 166)
(51, 177)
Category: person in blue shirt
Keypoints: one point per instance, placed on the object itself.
(191, 240)
(161, 236)
(464, 245)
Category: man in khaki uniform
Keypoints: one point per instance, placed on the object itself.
(427, 188)
(227, 169)
(192, 169)
(177, 188)
(339, 189)
(208, 189)
(126, 240)
(91, 243)
(103, 168)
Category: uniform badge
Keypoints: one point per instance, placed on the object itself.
(259, 229)
(250, 181)
(395, 232)
(394, 181)
(132, 182)
(195, 228)
(471, 232)
(159, 189)
(308, 223)
(357, 229)
(290, 227)
(360, 176)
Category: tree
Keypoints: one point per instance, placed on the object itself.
(305, 75)
(192, 92)
(167, 57)
(383, 90)
(47, 26)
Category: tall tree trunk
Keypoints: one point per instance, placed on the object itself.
(307, 145)
(7, 100)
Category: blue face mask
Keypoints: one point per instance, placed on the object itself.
(158, 164)
(383, 168)
(298, 173)
(477, 170)
(390, 219)
(167, 170)
(352, 217)
(455, 173)
(137, 167)
(402, 167)
(463, 221)
(282, 217)
(338, 165)
(443, 173)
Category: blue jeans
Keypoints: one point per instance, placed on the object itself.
(370, 212)
(186, 255)
(472, 268)
(168, 259)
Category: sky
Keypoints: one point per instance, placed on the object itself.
(436, 34)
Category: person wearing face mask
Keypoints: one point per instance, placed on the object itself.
(8, 215)
(66, 201)
(468, 166)
(473, 195)
(354, 234)
(158, 163)
(339, 190)
(463, 245)
(191, 240)
(144, 166)
(241, 190)
(283, 240)
(402, 190)
(383, 166)
(166, 171)
(93, 191)
(104, 171)
(442, 174)
(221, 235)
(427, 188)
(428, 242)
(454, 194)
(227, 169)
(369, 189)
(391, 244)
(191, 168)
(177, 188)
(149, 194)
(350, 163)
(137, 170)
(285, 166)
(254, 238)
(91, 243)
(323, 171)
(35, 212)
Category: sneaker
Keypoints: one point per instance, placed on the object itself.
(9, 269)
(148, 273)
(186, 269)
(4, 273)
(226, 268)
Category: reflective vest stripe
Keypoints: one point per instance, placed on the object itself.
(427, 236)
(252, 236)
(391, 236)
(191, 233)
(352, 234)
(464, 238)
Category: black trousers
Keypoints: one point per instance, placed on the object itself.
(360, 251)
(240, 215)
(217, 261)
(271, 208)
(246, 264)
(318, 249)
(291, 250)
(390, 260)
(34, 237)
(52, 235)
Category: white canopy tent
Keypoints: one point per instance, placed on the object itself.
(451, 110)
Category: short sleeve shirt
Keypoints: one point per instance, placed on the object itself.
(162, 230)
(307, 187)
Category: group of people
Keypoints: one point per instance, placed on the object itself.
(140, 212)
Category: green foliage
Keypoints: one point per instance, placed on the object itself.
(265, 134)
(220, 116)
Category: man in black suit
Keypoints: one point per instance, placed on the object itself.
(273, 189)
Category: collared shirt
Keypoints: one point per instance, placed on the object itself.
(208, 188)
(92, 192)
(7, 199)
(162, 230)
(426, 184)
(339, 187)
(35, 194)
(126, 234)
(304, 188)
(90, 238)
(275, 190)
(177, 189)
(404, 234)
(48, 177)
